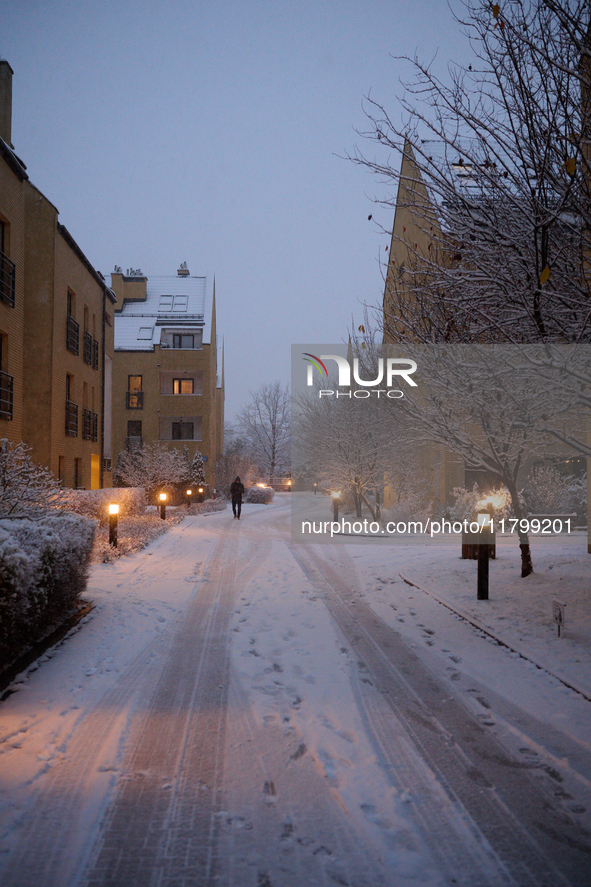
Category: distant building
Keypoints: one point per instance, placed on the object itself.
(168, 380)
(56, 329)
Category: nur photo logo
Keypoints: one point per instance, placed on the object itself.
(388, 370)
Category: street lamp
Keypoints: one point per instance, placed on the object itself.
(336, 498)
(189, 494)
(113, 520)
(484, 537)
(200, 494)
(163, 505)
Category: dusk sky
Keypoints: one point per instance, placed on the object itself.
(213, 133)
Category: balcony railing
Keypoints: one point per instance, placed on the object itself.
(134, 443)
(134, 400)
(7, 280)
(87, 348)
(73, 335)
(6, 395)
(71, 419)
(95, 354)
(89, 425)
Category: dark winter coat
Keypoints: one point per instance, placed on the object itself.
(237, 490)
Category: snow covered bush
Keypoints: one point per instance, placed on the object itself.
(546, 491)
(469, 502)
(151, 467)
(207, 507)
(95, 503)
(260, 495)
(24, 486)
(43, 570)
(410, 508)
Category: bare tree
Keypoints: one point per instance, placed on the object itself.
(266, 425)
(235, 461)
(493, 230)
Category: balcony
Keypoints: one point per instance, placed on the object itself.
(134, 443)
(87, 350)
(89, 425)
(7, 280)
(95, 354)
(73, 336)
(71, 419)
(6, 395)
(134, 400)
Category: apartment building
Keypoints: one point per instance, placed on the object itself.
(56, 329)
(167, 377)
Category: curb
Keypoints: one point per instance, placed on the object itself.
(568, 682)
(23, 662)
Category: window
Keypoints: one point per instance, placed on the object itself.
(145, 332)
(180, 303)
(72, 326)
(182, 430)
(183, 340)
(77, 473)
(61, 462)
(71, 410)
(183, 386)
(7, 267)
(134, 434)
(6, 384)
(135, 396)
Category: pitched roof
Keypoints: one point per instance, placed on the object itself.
(174, 303)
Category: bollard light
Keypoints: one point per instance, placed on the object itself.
(201, 491)
(163, 498)
(113, 520)
(336, 499)
(315, 487)
(188, 494)
(484, 537)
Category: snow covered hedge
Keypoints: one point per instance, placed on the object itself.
(207, 507)
(95, 503)
(260, 495)
(43, 569)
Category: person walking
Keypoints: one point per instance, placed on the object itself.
(237, 492)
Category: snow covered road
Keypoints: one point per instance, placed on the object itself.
(237, 712)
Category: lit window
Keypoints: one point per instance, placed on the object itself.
(183, 386)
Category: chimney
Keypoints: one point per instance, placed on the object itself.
(6, 73)
(183, 271)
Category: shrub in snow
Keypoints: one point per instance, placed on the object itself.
(546, 491)
(24, 486)
(43, 570)
(410, 508)
(207, 507)
(260, 495)
(95, 503)
(577, 497)
(467, 503)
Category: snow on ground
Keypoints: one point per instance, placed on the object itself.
(290, 665)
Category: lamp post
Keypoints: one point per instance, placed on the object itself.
(113, 520)
(200, 491)
(189, 494)
(336, 498)
(484, 533)
(162, 498)
(315, 487)
(289, 486)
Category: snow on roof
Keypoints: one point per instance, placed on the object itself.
(172, 303)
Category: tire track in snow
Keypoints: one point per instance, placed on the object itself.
(72, 796)
(162, 827)
(534, 844)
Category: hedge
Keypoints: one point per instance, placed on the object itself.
(43, 570)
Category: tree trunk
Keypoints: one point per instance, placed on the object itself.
(526, 561)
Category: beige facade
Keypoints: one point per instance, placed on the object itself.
(56, 340)
(167, 385)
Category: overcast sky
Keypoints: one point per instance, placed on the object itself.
(213, 133)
